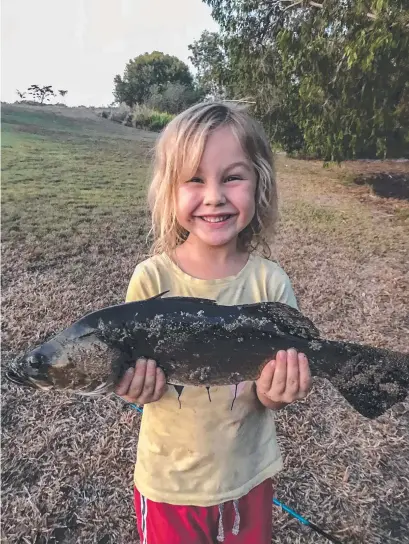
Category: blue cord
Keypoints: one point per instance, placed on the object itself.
(290, 511)
(131, 404)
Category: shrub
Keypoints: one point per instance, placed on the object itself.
(149, 119)
(141, 116)
(119, 115)
(159, 120)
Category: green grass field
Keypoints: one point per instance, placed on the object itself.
(74, 225)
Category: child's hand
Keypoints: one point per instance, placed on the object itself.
(284, 380)
(143, 384)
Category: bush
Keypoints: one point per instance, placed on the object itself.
(120, 114)
(150, 119)
(141, 116)
(159, 120)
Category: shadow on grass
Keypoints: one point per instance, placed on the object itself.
(387, 185)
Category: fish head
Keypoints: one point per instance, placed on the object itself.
(32, 369)
(82, 364)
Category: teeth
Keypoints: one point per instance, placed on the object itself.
(216, 219)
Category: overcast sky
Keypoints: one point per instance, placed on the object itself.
(80, 45)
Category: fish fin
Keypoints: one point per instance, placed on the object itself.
(157, 296)
(195, 300)
(182, 299)
(286, 317)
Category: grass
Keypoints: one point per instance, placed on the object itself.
(60, 186)
(74, 224)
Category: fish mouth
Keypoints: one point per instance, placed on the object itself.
(26, 381)
(88, 390)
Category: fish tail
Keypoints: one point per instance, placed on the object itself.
(371, 379)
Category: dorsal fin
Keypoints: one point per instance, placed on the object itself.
(158, 296)
(194, 300)
(289, 319)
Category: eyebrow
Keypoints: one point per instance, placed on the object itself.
(238, 163)
(234, 165)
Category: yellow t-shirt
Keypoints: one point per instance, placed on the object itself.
(200, 446)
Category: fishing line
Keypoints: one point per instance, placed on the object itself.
(235, 395)
(306, 522)
(276, 502)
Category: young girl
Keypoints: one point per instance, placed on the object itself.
(206, 456)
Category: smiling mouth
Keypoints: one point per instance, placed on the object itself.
(215, 218)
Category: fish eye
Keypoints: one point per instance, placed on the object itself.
(35, 360)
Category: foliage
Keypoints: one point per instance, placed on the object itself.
(41, 93)
(174, 97)
(142, 73)
(149, 119)
(210, 58)
(328, 79)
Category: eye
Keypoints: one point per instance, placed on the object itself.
(195, 180)
(233, 178)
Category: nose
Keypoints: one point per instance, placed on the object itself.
(214, 194)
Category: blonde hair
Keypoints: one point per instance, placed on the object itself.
(177, 156)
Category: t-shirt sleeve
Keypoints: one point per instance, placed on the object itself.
(280, 288)
(143, 284)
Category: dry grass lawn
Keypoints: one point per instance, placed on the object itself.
(74, 224)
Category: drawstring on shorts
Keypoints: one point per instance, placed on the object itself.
(220, 534)
(236, 524)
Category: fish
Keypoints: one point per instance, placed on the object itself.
(199, 342)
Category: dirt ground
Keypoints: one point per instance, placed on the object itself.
(74, 225)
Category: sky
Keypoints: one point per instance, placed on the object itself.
(80, 45)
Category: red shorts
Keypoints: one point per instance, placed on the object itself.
(246, 521)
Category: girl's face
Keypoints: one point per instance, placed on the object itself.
(219, 201)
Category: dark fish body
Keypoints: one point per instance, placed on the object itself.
(198, 342)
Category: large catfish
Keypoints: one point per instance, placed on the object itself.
(198, 342)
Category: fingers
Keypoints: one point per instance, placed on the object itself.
(160, 385)
(138, 381)
(286, 379)
(124, 384)
(144, 389)
(280, 374)
(305, 379)
(143, 384)
(292, 383)
(266, 377)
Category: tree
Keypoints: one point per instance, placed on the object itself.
(20, 94)
(328, 78)
(62, 93)
(146, 71)
(174, 97)
(211, 61)
(41, 93)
